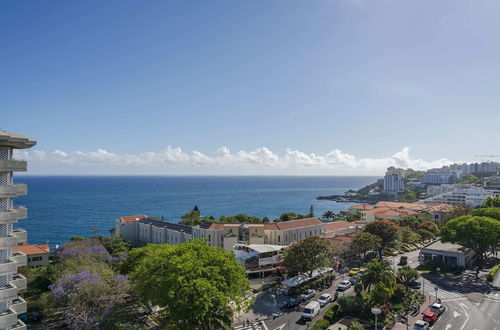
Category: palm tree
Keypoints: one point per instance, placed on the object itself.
(328, 215)
(405, 275)
(378, 272)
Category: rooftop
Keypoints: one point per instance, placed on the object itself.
(30, 249)
(337, 225)
(283, 225)
(132, 218)
(168, 225)
(15, 140)
(262, 248)
(440, 246)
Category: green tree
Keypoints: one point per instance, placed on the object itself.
(378, 272)
(198, 286)
(405, 275)
(491, 202)
(364, 242)
(192, 217)
(492, 212)
(408, 235)
(481, 234)
(307, 255)
(356, 326)
(468, 178)
(386, 230)
(328, 215)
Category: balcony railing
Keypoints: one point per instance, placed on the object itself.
(13, 190)
(8, 292)
(22, 212)
(8, 242)
(19, 326)
(19, 305)
(8, 216)
(8, 319)
(21, 235)
(12, 165)
(19, 281)
(8, 267)
(20, 258)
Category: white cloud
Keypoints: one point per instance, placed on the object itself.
(259, 161)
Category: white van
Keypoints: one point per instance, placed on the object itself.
(311, 310)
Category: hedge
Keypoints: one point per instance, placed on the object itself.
(493, 272)
(320, 325)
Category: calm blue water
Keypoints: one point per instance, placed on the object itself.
(63, 206)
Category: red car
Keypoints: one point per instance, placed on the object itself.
(430, 317)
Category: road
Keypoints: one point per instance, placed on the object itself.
(471, 304)
(292, 319)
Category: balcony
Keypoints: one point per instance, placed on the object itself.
(21, 235)
(22, 212)
(12, 165)
(19, 305)
(8, 242)
(19, 281)
(8, 292)
(20, 258)
(13, 190)
(19, 326)
(8, 216)
(8, 267)
(8, 319)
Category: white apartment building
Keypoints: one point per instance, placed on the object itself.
(469, 195)
(441, 176)
(11, 305)
(140, 230)
(394, 181)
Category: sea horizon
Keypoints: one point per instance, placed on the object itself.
(62, 206)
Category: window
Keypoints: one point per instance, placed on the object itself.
(279, 238)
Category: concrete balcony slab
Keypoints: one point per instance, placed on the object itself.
(12, 165)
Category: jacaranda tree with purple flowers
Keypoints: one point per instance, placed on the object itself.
(87, 291)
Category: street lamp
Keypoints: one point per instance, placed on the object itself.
(376, 311)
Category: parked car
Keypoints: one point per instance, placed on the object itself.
(293, 301)
(421, 325)
(311, 310)
(308, 294)
(415, 284)
(324, 299)
(438, 308)
(390, 252)
(344, 285)
(354, 271)
(355, 279)
(403, 260)
(430, 317)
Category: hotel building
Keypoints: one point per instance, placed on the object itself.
(10, 281)
(140, 230)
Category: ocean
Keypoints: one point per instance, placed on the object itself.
(60, 207)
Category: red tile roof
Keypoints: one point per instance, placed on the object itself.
(341, 239)
(336, 225)
(30, 249)
(132, 218)
(293, 224)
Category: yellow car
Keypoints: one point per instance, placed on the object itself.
(404, 249)
(391, 252)
(354, 271)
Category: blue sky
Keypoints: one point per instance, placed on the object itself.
(296, 87)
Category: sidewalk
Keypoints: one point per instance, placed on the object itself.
(430, 299)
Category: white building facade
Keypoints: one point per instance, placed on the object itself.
(10, 281)
(140, 230)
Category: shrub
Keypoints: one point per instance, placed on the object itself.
(493, 272)
(350, 305)
(320, 325)
(331, 313)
